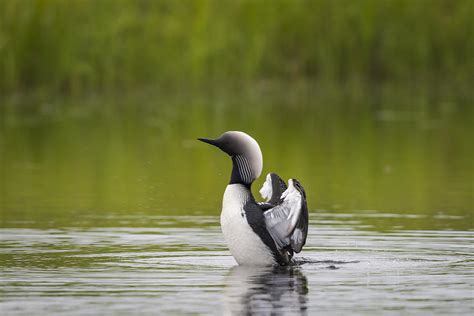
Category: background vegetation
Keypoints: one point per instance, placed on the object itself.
(369, 103)
(78, 46)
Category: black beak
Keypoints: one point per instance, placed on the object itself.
(209, 141)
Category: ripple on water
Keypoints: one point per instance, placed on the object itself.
(345, 268)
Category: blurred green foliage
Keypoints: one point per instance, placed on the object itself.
(368, 103)
(79, 45)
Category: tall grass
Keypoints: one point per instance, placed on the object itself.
(79, 45)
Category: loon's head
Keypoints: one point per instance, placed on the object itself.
(245, 152)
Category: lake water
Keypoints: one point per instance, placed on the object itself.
(110, 206)
(167, 265)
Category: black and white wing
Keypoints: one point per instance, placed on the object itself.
(271, 191)
(287, 222)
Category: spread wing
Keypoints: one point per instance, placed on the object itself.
(271, 191)
(287, 222)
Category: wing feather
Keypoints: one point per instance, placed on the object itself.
(287, 222)
(273, 188)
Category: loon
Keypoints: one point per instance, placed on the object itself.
(259, 233)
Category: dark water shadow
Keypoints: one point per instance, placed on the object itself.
(265, 290)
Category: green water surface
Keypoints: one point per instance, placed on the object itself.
(396, 149)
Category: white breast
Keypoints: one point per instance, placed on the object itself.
(246, 246)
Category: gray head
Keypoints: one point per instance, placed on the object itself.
(245, 152)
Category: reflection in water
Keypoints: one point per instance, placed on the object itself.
(354, 150)
(179, 265)
(265, 290)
